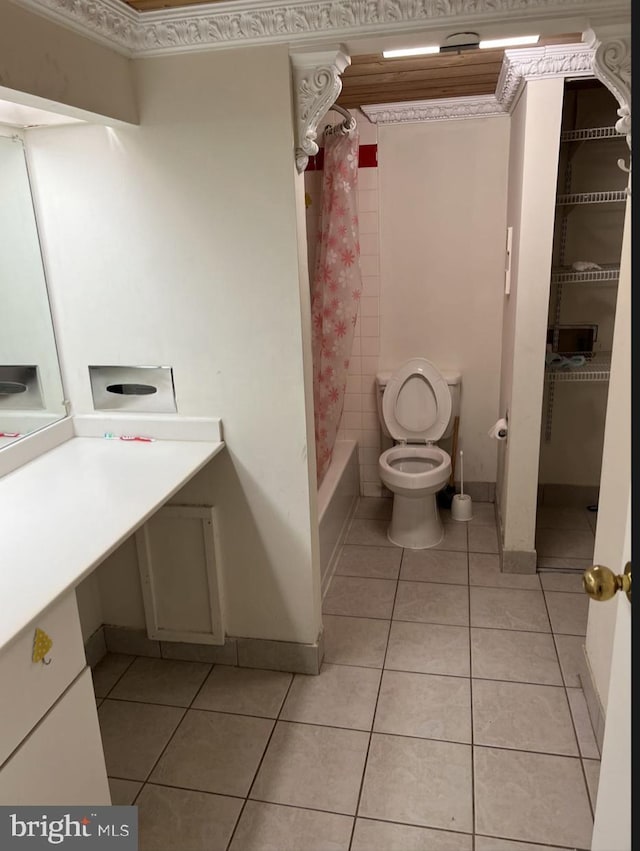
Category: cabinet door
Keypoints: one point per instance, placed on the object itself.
(61, 762)
(179, 560)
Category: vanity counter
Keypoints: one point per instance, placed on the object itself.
(66, 510)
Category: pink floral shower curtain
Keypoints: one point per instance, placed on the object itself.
(336, 290)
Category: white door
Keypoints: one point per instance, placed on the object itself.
(609, 629)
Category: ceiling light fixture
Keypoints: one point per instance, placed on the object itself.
(517, 41)
(411, 51)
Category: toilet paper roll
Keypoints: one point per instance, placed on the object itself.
(499, 430)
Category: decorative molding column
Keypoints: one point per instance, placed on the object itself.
(316, 85)
(612, 66)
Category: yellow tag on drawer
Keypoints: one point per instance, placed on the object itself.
(41, 645)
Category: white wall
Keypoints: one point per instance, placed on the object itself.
(442, 236)
(176, 243)
(533, 163)
(41, 62)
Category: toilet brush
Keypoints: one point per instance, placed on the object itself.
(461, 504)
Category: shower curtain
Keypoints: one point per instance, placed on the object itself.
(336, 290)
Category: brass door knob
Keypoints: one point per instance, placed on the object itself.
(600, 583)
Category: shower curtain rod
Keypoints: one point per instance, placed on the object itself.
(345, 126)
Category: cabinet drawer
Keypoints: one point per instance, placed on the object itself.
(61, 762)
(28, 689)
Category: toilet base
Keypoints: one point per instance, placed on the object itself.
(415, 522)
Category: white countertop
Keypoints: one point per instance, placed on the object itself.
(64, 512)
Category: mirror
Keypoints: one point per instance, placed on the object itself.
(31, 392)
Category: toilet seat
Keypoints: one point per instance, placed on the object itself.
(436, 472)
(416, 404)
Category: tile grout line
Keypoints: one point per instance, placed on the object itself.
(375, 708)
(573, 722)
(171, 737)
(111, 688)
(259, 766)
(473, 763)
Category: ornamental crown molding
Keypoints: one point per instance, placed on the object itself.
(249, 22)
(518, 66)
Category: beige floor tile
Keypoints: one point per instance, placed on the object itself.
(435, 566)
(340, 696)
(507, 608)
(484, 569)
(214, 752)
(572, 659)
(518, 715)
(172, 819)
(123, 792)
(429, 648)
(355, 641)
(484, 514)
(483, 539)
(570, 543)
(582, 721)
(432, 602)
(592, 773)
(568, 582)
(371, 835)
(372, 507)
(161, 681)
(310, 766)
(107, 673)
(357, 597)
(424, 706)
(271, 827)
(545, 800)
(488, 843)
(500, 654)
(247, 691)
(134, 735)
(418, 781)
(455, 537)
(374, 562)
(568, 612)
(369, 532)
(554, 517)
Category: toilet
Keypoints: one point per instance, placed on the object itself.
(416, 405)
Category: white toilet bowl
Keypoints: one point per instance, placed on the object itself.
(415, 407)
(415, 474)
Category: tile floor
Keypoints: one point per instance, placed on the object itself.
(565, 537)
(448, 716)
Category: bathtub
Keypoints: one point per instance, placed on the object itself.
(337, 498)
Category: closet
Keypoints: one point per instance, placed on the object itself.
(590, 207)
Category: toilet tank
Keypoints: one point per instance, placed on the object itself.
(451, 376)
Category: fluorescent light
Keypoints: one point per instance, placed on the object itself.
(510, 42)
(411, 51)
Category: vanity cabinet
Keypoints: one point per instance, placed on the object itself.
(50, 745)
(61, 761)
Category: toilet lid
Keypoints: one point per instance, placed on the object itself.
(416, 404)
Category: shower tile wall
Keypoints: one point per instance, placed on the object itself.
(359, 418)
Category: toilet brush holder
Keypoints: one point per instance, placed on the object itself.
(461, 507)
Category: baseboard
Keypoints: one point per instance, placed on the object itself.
(569, 496)
(95, 647)
(594, 704)
(236, 651)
